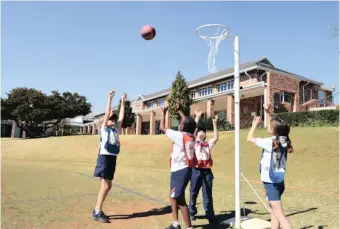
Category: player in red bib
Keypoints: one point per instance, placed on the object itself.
(202, 176)
(182, 161)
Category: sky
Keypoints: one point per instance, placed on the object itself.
(91, 47)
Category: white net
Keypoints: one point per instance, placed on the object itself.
(213, 44)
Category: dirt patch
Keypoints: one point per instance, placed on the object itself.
(136, 215)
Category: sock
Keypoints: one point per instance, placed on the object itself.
(96, 211)
(175, 223)
(190, 228)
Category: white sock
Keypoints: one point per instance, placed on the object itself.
(97, 210)
(175, 223)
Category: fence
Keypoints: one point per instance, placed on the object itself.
(322, 108)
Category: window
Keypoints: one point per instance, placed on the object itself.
(225, 86)
(160, 102)
(205, 91)
(285, 97)
(230, 84)
(193, 94)
(222, 87)
(149, 105)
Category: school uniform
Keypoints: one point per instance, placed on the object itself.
(273, 166)
(181, 160)
(202, 177)
(109, 148)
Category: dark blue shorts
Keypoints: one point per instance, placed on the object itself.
(106, 167)
(274, 190)
(178, 183)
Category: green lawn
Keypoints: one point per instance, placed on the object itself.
(48, 183)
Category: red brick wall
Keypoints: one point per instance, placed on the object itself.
(248, 106)
(278, 83)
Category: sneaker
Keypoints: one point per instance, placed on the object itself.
(193, 217)
(101, 217)
(212, 221)
(172, 227)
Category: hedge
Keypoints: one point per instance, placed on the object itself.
(311, 118)
(222, 124)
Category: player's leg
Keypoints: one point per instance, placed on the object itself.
(195, 186)
(105, 169)
(207, 195)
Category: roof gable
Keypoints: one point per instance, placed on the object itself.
(265, 61)
(139, 98)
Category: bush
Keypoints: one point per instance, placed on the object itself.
(222, 124)
(311, 118)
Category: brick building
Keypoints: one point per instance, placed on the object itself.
(260, 82)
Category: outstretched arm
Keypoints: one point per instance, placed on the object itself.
(183, 117)
(267, 110)
(198, 113)
(162, 125)
(121, 111)
(216, 136)
(108, 108)
(256, 122)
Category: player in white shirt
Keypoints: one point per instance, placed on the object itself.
(109, 148)
(273, 164)
(182, 160)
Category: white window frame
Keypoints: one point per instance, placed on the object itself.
(160, 100)
(206, 91)
(229, 85)
(282, 97)
(151, 105)
(193, 94)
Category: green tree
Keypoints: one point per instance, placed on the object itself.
(129, 116)
(35, 112)
(179, 95)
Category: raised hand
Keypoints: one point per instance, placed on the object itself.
(165, 106)
(267, 107)
(215, 118)
(178, 104)
(256, 121)
(198, 112)
(112, 93)
(124, 97)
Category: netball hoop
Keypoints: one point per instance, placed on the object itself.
(213, 42)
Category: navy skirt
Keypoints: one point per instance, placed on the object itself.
(274, 191)
(106, 167)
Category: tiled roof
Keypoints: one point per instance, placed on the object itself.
(261, 63)
(244, 66)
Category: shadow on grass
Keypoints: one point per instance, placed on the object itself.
(302, 211)
(225, 215)
(152, 212)
(311, 226)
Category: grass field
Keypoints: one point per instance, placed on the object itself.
(48, 183)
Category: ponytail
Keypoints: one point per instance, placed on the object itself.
(290, 147)
(276, 144)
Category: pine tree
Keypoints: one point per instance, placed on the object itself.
(180, 93)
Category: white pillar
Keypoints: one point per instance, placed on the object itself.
(237, 132)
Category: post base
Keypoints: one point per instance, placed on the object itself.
(248, 223)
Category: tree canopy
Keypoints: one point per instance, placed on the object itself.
(35, 111)
(179, 94)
